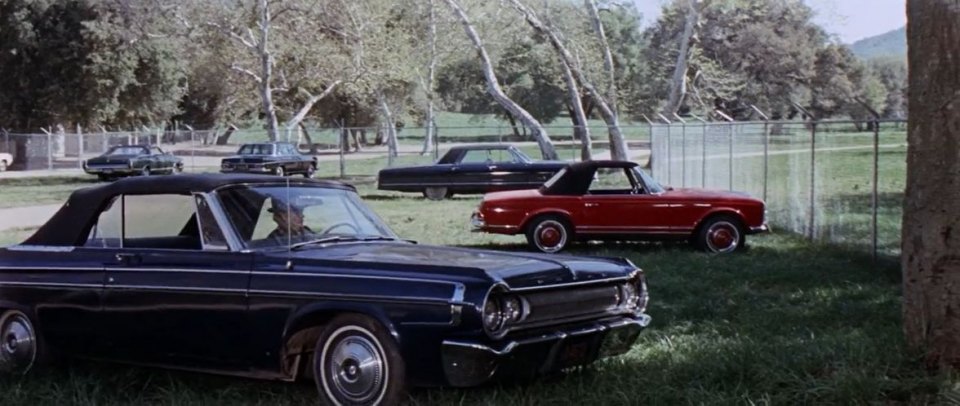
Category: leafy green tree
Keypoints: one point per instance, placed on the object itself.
(85, 62)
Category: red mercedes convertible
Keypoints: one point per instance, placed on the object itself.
(616, 200)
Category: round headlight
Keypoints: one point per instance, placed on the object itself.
(512, 309)
(492, 315)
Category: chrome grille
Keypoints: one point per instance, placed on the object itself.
(551, 307)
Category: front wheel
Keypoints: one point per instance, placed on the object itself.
(549, 234)
(357, 362)
(311, 170)
(721, 235)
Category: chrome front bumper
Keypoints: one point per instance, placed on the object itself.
(476, 222)
(470, 363)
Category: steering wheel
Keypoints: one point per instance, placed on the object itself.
(331, 228)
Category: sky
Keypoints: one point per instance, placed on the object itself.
(849, 20)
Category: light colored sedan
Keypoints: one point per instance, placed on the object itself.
(5, 161)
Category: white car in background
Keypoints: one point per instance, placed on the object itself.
(5, 161)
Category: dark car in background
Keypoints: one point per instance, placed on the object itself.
(133, 160)
(284, 279)
(471, 169)
(274, 158)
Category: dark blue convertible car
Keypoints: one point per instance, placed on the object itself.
(287, 279)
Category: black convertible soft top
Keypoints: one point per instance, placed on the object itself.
(70, 225)
(576, 177)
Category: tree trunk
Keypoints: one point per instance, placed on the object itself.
(225, 138)
(678, 85)
(618, 146)
(308, 105)
(930, 259)
(607, 56)
(266, 66)
(493, 86)
(359, 138)
(391, 129)
(306, 135)
(581, 129)
(431, 77)
(513, 125)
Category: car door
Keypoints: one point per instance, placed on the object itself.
(511, 171)
(474, 173)
(296, 159)
(616, 203)
(176, 293)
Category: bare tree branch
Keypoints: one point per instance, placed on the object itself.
(248, 72)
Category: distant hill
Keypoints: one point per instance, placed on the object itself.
(893, 43)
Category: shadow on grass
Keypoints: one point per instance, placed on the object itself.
(787, 322)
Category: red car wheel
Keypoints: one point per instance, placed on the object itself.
(548, 234)
(721, 235)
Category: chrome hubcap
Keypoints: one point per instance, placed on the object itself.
(723, 237)
(18, 349)
(356, 369)
(550, 236)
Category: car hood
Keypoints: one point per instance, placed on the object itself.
(515, 269)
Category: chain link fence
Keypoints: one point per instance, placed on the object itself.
(341, 152)
(840, 182)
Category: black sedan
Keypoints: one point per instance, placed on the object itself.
(275, 158)
(133, 160)
(297, 278)
(471, 169)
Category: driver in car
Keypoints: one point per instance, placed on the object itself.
(289, 221)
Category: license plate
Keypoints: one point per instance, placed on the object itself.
(241, 166)
(575, 352)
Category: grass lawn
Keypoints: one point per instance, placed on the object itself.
(787, 322)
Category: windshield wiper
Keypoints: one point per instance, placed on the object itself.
(338, 238)
(327, 240)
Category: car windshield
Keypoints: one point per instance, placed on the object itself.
(279, 216)
(256, 149)
(651, 184)
(125, 151)
(520, 155)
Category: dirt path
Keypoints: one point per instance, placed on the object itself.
(26, 217)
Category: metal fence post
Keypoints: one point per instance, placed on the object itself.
(49, 149)
(766, 149)
(669, 159)
(652, 144)
(683, 150)
(436, 140)
(813, 179)
(876, 178)
(79, 147)
(343, 164)
(703, 161)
